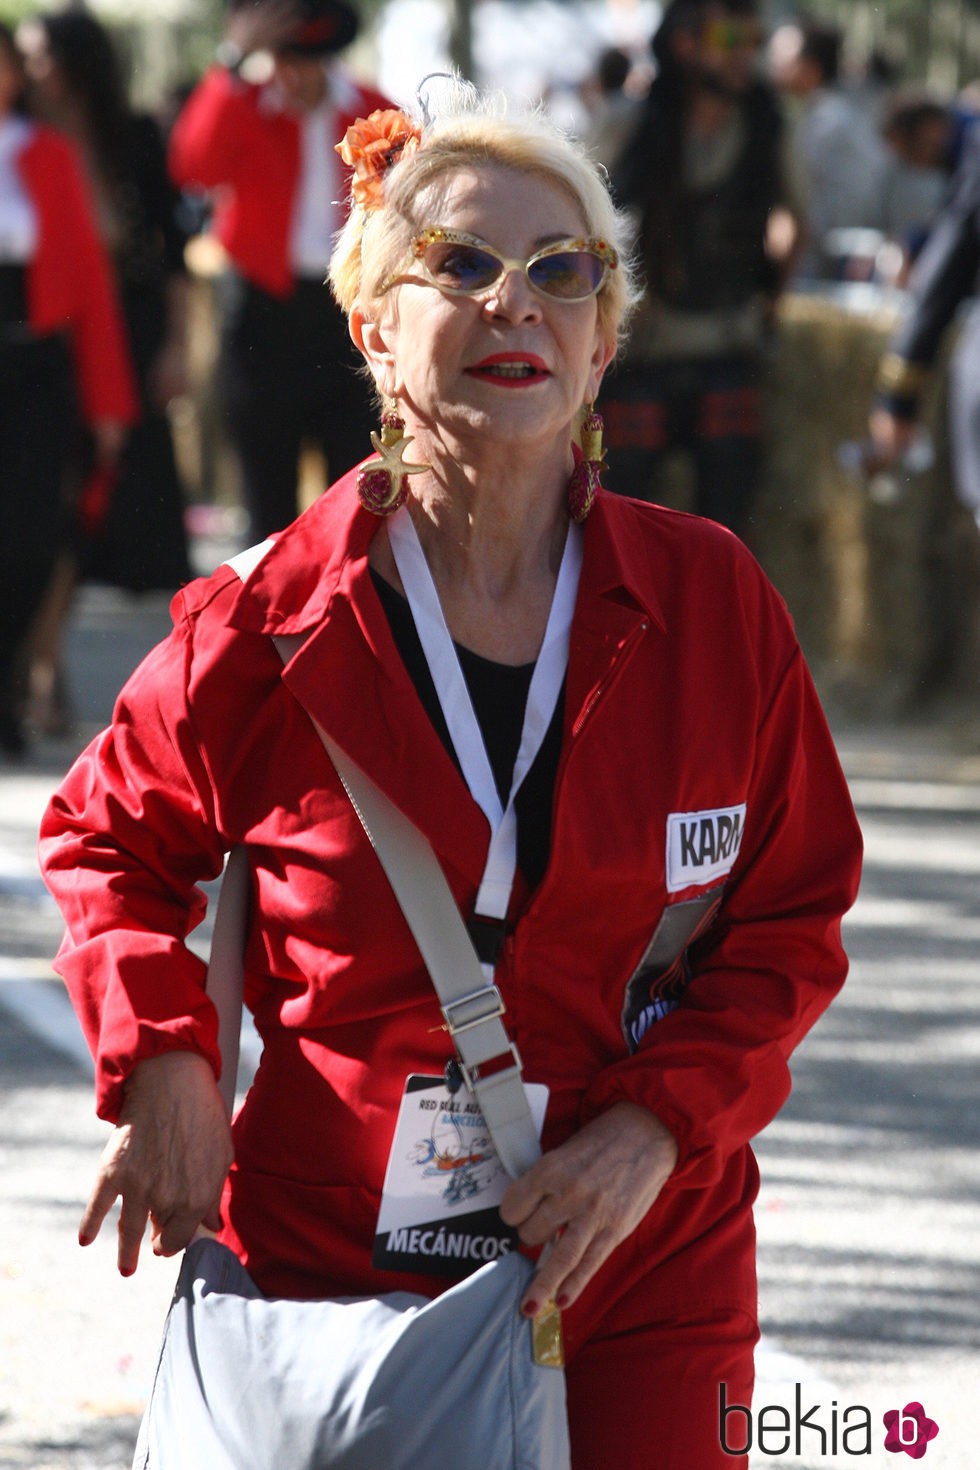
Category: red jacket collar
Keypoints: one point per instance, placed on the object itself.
(324, 553)
(314, 580)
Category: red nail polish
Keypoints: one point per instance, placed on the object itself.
(530, 1309)
(561, 1302)
(85, 1239)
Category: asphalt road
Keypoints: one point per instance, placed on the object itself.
(869, 1216)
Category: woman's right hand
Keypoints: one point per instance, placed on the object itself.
(167, 1159)
(261, 27)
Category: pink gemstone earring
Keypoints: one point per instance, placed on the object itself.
(585, 480)
(382, 483)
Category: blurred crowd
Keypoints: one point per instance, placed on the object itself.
(868, 157)
(752, 161)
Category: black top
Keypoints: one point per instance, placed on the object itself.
(13, 294)
(149, 252)
(703, 250)
(499, 694)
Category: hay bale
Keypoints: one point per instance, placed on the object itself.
(855, 559)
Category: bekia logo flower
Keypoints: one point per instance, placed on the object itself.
(909, 1429)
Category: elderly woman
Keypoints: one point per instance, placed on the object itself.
(666, 925)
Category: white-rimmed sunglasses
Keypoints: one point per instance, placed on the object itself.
(464, 265)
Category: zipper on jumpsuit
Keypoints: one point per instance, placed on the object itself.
(505, 973)
(622, 657)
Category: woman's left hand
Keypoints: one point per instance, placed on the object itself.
(595, 1189)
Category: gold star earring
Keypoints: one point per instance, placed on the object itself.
(382, 483)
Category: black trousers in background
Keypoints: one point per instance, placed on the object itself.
(708, 408)
(290, 373)
(37, 419)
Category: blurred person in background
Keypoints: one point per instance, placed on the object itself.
(62, 354)
(872, 87)
(918, 133)
(129, 533)
(706, 176)
(613, 102)
(945, 275)
(843, 157)
(289, 368)
(964, 114)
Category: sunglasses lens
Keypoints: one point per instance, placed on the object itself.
(464, 268)
(729, 35)
(570, 275)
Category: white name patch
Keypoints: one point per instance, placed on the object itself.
(702, 846)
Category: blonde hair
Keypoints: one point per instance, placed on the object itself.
(476, 130)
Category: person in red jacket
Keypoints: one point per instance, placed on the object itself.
(62, 343)
(290, 373)
(597, 713)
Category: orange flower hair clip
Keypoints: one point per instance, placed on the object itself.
(370, 147)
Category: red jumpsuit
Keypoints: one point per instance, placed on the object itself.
(685, 935)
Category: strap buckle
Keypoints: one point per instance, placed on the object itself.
(473, 1009)
(480, 1085)
(482, 1073)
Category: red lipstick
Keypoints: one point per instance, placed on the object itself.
(511, 369)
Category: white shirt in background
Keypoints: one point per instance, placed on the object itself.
(18, 217)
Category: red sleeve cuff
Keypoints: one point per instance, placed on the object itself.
(112, 1074)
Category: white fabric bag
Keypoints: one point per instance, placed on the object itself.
(396, 1382)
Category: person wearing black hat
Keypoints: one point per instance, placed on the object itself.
(289, 370)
